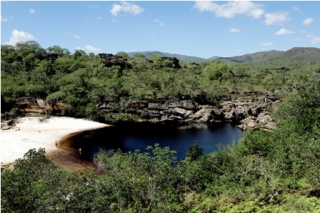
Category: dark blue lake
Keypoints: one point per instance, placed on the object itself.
(133, 137)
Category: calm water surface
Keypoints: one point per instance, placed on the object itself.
(133, 137)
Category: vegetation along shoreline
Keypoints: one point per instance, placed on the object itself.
(266, 172)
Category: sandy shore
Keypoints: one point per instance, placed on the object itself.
(31, 133)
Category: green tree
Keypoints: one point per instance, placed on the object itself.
(22, 188)
(139, 55)
(194, 151)
(25, 48)
(78, 53)
(58, 50)
(216, 70)
(123, 55)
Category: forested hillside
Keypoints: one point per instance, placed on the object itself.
(297, 54)
(81, 81)
(276, 171)
(303, 54)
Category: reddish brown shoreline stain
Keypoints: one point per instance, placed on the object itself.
(67, 154)
(69, 160)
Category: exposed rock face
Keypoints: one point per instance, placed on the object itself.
(246, 114)
(9, 124)
(6, 125)
(110, 60)
(29, 106)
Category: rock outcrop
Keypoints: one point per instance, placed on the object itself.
(29, 106)
(9, 124)
(247, 114)
(110, 60)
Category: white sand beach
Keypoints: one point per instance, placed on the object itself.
(31, 133)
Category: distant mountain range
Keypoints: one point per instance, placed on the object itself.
(307, 54)
(185, 58)
(312, 54)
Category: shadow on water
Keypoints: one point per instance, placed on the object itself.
(131, 137)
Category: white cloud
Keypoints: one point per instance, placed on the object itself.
(99, 18)
(204, 6)
(92, 48)
(78, 48)
(296, 9)
(160, 23)
(284, 31)
(74, 35)
(234, 30)
(115, 9)
(6, 19)
(266, 44)
(231, 9)
(126, 7)
(19, 36)
(276, 18)
(315, 40)
(32, 11)
(307, 21)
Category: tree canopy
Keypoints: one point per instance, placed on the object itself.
(265, 172)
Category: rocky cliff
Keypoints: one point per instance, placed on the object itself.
(247, 114)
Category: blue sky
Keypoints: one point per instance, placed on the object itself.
(203, 29)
